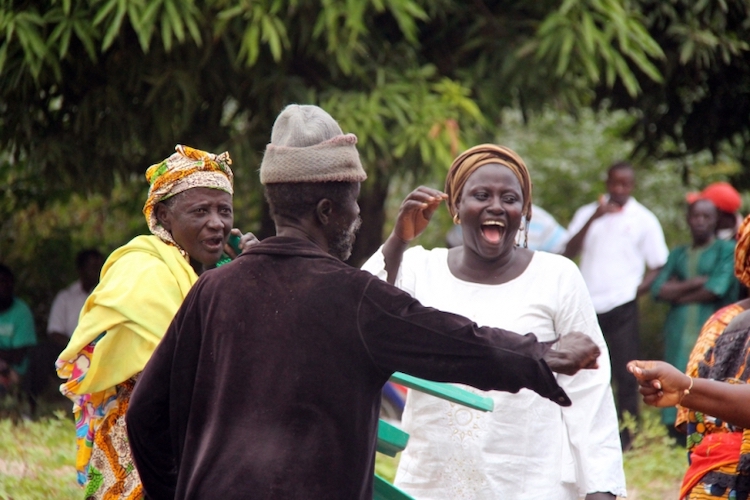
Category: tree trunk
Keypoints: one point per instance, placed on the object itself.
(372, 200)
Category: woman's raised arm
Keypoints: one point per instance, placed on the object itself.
(413, 217)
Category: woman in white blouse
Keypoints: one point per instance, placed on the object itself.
(528, 447)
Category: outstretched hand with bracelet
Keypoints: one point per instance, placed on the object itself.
(664, 385)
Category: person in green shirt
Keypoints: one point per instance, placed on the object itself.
(17, 331)
(697, 280)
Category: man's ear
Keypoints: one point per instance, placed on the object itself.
(163, 216)
(324, 210)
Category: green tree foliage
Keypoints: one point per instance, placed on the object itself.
(94, 91)
(703, 103)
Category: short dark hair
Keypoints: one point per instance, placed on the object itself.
(297, 199)
(619, 165)
(84, 255)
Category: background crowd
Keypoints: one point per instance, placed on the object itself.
(617, 243)
(93, 94)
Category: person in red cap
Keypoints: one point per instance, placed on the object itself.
(728, 202)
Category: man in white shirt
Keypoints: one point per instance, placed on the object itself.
(622, 247)
(63, 317)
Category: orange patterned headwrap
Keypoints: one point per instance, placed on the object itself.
(187, 168)
(742, 253)
(478, 156)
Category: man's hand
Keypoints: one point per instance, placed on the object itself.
(605, 207)
(574, 351)
(662, 384)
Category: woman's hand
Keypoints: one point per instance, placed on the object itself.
(413, 216)
(246, 241)
(416, 211)
(662, 384)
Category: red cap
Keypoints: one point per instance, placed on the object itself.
(721, 194)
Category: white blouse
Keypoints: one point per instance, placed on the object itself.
(528, 447)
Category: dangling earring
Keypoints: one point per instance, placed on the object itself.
(456, 220)
(526, 233)
(521, 229)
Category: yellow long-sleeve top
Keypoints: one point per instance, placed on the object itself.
(142, 286)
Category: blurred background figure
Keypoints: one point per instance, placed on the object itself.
(63, 317)
(728, 202)
(697, 280)
(622, 248)
(17, 333)
(544, 234)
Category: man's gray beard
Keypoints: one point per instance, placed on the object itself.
(341, 244)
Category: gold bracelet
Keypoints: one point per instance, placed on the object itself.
(686, 391)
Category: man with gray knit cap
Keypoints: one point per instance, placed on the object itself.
(267, 383)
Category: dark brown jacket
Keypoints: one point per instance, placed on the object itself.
(267, 384)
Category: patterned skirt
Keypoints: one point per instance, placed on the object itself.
(111, 472)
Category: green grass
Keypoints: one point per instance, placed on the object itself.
(37, 460)
(653, 466)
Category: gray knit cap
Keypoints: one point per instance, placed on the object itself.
(307, 145)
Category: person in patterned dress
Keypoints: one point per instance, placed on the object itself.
(718, 439)
(143, 283)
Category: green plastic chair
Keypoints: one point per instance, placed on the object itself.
(392, 440)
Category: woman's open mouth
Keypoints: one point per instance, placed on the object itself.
(214, 244)
(493, 230)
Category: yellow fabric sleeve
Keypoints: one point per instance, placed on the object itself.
(142, 285)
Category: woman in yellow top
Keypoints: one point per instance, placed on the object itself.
(143, 283)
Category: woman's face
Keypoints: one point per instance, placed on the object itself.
(199, 220)
(490, 210)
